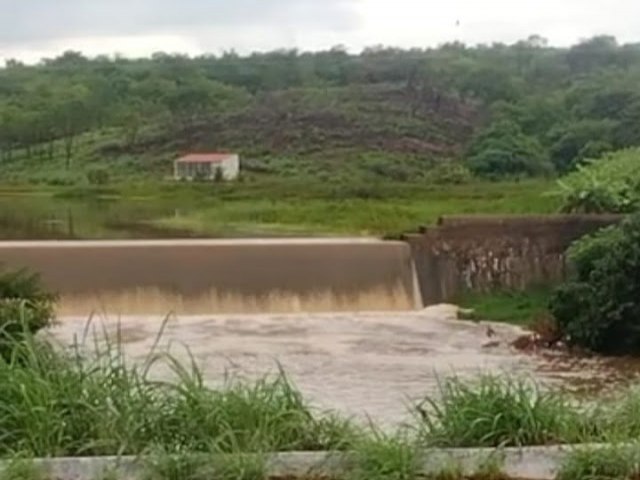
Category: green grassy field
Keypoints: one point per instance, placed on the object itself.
(388, 209)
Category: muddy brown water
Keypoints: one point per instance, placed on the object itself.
(358, 364)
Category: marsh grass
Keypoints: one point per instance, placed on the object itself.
(81, 404)
(498, 412)
(619, 417)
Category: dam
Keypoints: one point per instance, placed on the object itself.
(191, 277)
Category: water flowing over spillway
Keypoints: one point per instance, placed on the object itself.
(220, 276)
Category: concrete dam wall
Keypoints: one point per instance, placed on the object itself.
(484, 253)
(219, 276)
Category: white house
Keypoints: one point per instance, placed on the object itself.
(204, 166)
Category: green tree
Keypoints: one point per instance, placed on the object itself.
(72, 117)
(503, 150)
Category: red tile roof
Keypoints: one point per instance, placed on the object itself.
(204, 158)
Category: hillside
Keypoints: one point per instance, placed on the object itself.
(361, 129)
(493, 111)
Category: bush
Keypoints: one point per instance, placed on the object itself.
(503, 150)
(578, 141)
(449, 173)
(25, 308)
(599, 308)
(61, 180)
(608, 185)
(98, 176)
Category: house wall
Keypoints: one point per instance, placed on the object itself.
(193, 170)
(189, 171)
(485, 253)
(231, 168)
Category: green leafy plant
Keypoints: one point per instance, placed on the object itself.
(25, 308)
(607, 185)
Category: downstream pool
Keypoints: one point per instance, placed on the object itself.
(363, 365)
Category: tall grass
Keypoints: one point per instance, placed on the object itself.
(498, 412)
(18, 468)
(56, 404)
(602, 463)
(385, 457)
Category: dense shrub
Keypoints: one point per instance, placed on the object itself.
(25, 308)
(576, 141)
(503, 150)
(449, 173)
(599, 308)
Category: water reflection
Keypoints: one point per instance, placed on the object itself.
(46, 218)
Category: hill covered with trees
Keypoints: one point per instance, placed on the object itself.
(518, 110)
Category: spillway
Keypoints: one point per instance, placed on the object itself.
(221, 276)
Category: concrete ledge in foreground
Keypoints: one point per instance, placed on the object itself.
(537, 463)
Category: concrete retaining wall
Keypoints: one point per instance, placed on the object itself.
(481, 253)
(211, 276)
(538, 463)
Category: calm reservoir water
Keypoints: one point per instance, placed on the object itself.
(29, 217)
